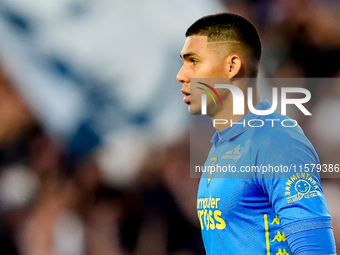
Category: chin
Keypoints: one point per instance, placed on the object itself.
(194, 110)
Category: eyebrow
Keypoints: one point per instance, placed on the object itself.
(188, 55)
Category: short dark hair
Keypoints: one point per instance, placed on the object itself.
(229, 27)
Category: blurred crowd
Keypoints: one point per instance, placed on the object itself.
(55, 203)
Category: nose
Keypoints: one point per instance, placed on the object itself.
(182, 76)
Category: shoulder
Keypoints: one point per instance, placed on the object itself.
(281, 137)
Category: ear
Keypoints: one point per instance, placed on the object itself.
(233, 65)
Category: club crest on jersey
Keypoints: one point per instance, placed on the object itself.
(213, 161)
(301, 186)
(233, 154)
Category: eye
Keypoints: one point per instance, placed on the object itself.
(194, 61)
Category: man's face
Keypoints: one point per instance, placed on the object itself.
(199, 61)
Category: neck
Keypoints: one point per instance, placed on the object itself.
(223, 118)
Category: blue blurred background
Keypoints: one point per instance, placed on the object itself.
(94, 142)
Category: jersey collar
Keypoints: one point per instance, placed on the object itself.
(236, 130)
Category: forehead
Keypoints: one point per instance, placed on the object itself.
(195, 44)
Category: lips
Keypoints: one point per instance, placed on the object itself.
(186, 99)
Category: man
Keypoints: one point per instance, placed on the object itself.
(260, 213)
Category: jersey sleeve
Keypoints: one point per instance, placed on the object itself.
(294, 189)
(315, 241)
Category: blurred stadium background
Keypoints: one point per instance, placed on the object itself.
(94, 147)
